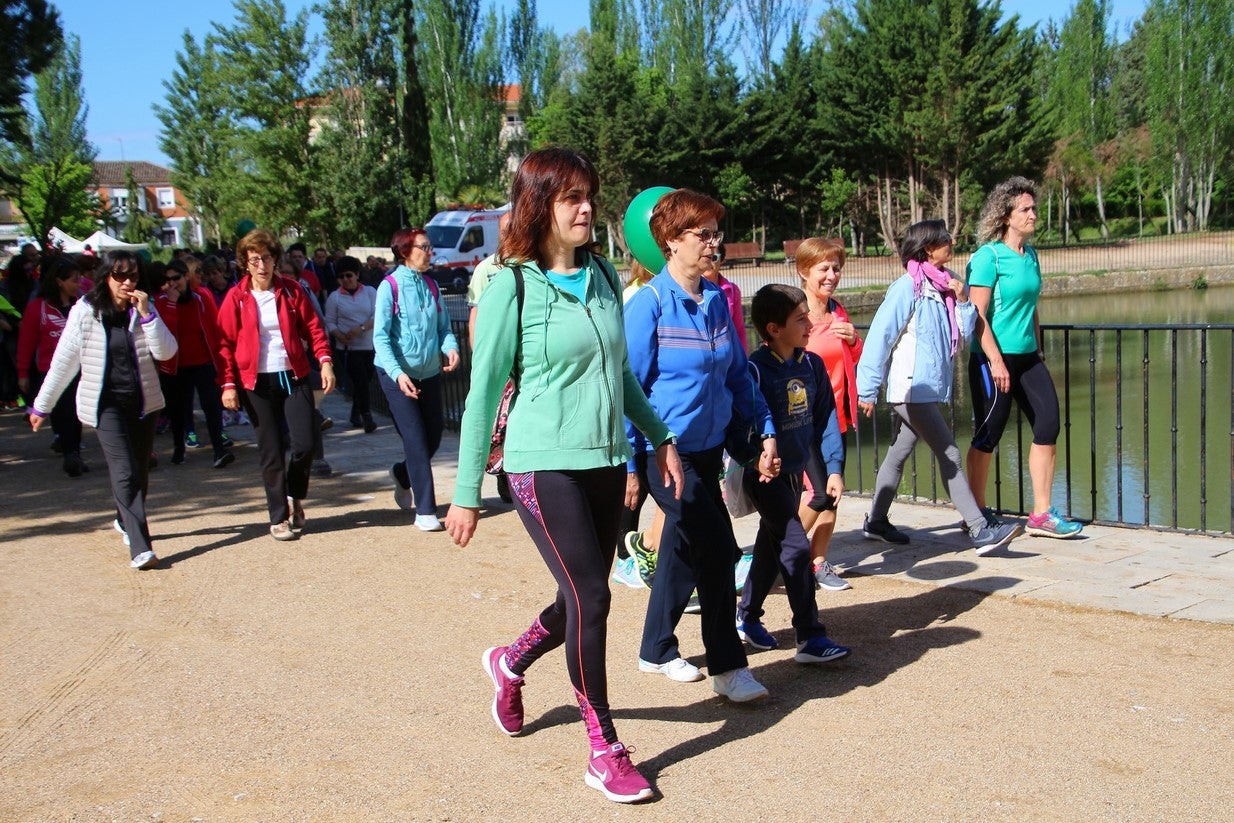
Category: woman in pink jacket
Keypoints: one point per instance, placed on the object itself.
(263, 324)
(41, 328)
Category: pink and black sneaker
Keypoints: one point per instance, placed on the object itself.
(612, 773)
(508, 702)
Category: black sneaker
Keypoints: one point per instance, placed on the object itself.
(988, 539)
(883, 530)
(370, 425)
(224, 459)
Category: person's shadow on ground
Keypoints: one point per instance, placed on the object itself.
(885, 637)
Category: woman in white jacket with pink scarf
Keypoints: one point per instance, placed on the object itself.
(910, 352)
(114, 338)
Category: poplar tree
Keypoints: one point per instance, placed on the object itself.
(55, 168)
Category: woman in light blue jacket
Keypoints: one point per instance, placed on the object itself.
(411, 334)
(911, 350)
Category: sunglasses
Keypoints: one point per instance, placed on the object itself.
(120, 275)
(175, 277)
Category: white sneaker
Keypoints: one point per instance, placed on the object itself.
(738, 686)
(428, 523)
(115, 524)
(402, 496)
(144, 560)
(679, 669)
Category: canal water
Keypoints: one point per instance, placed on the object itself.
(1148, 435)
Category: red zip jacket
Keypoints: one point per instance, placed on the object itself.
(199, 308)
(37, 336)
(239, 319)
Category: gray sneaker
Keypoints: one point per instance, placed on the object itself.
(989, 538)
(826, 577)
(145, 560)
(883, 530)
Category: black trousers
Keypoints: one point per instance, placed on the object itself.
(279, 400)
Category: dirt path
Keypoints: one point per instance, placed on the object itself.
(338, 678)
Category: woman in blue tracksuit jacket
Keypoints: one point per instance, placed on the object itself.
(685, 354)
(910, 349)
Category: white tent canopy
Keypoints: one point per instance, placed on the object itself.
(98, 242)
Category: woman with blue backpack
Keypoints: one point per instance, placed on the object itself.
(411, 335)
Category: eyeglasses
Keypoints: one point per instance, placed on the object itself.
(264, 260)
(422, 246)
(175, 277)
(707, 236)
(120, 275)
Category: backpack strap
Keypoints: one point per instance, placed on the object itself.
(428, 281)
(518, 302)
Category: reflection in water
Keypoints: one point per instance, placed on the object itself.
(1173, 472)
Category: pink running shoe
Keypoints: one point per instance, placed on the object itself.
(508, 702)
(612, 773)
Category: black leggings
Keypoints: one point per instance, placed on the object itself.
(1033, 391)
(572, 517)
(278, 399)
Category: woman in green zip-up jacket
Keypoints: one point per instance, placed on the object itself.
(565, 447)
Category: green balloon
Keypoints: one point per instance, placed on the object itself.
(637, 225)
(244, 227)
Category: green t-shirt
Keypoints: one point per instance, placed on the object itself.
(1016, 283)
(485, 270)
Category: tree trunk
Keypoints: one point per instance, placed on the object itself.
(1105, 229)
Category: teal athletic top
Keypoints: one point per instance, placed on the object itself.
(1016, 283)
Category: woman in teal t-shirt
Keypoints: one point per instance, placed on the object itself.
(1004, 284)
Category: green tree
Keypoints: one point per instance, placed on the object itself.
(263, 58)
(1079, 97)
(140, 225)
(417, 181)
(359, 147)
(460, 59)
(1190, 114)
(199, 131)
(55, 168)
(31, 34)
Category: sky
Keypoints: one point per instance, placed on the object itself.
(129, 47)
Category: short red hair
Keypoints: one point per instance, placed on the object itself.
(403, 240)
(680, 210)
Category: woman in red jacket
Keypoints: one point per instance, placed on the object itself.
(193, 319)
(263, 324)
(40, 332)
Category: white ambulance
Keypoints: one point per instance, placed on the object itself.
(461, 239)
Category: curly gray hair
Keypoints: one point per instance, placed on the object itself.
(998, 205)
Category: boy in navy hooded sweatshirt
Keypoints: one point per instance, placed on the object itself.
(798, 392)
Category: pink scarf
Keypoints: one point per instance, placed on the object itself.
(921, 272)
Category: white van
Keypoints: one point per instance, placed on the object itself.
(461, 239)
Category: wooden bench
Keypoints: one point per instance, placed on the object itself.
(743, 251)
(790, 249)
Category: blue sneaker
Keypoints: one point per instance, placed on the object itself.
(820, 650)
(625, 571)
(756, 635)
(1053, 524)
(742, 570)
(191, 440)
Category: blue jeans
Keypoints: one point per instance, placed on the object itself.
(419, 422)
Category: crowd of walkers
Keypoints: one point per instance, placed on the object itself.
(598, 394)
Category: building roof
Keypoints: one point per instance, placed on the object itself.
(111, 173)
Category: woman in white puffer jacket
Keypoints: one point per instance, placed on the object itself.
(113, 337)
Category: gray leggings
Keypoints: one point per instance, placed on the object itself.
(925, 421)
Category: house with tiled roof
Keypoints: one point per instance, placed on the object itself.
(155, 195)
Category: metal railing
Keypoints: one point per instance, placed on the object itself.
(1147, 436)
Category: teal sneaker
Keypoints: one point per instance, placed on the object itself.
(644, 558)
(625, 571)
(1053, 524)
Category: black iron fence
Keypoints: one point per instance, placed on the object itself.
(1147, 430)
(1147, 439)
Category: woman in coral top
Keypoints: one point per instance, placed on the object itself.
(835, 340)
